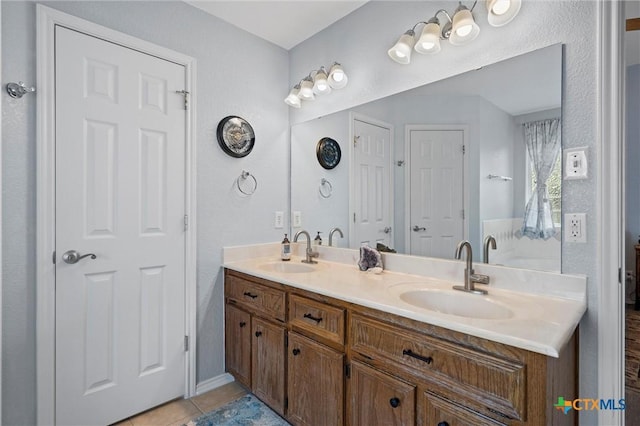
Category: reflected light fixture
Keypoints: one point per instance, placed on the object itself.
(459, 30)
(318, 82)
(501, 12)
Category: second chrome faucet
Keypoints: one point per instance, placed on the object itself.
(470, 278)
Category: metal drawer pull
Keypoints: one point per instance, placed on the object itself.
(258, 333)
(253, 296)
(242, 324)
(295, 352)
(312, 318)
(410, 353)
(394, 402)
(443, 424)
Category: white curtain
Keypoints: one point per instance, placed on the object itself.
(542, 139)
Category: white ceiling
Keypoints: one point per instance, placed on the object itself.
(284, 23)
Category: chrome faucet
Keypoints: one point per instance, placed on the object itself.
(469, 277)
(338, 230)
(310, 253)
(490, 239)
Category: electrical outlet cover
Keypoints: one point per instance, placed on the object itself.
(279, 220)
(297, 219)
(575, 227)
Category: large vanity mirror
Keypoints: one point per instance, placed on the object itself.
(452, 160)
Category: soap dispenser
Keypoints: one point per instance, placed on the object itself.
(285, 249)
(317, 240)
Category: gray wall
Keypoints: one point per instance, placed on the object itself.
(633, 170)
(228, 83)
(360, 40)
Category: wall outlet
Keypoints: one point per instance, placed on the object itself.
(297, 219)
(279, 220)
(576, 166)
(575, 227)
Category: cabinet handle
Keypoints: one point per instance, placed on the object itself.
(410, 353)
(253, 296)
(295, 351)
(312, 318)
(258, 333)
(242, 324)
(443, 424)
(394, 402)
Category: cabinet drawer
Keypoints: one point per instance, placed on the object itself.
(318, 318)
(256, 297)
(499, 383)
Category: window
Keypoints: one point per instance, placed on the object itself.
(554, 188)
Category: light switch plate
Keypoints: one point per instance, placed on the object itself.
(297, 219)
(575, 163)
(279, 220)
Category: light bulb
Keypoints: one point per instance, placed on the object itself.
(320, 84)
(337, 77)
(429, 41)
(500, 7)
(464, 30)
(306, 89)
(401, 51)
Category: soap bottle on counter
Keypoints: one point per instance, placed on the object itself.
(317, 240)
(285, 249)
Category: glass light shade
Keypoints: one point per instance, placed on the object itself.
(320, 83)
(293, 100)
(306, 89)
(464, 28)
(429, 41)
(401, 51)
(337, 77)
(501, 12)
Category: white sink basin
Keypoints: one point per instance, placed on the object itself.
(452, 302)
(287, 267)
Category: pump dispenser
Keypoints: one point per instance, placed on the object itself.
(285, 249)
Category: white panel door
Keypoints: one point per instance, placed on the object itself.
(120, 194)
(436, 192)
(372, 184)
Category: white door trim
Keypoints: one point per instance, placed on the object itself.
(407, 175)
(47, 19)
(352, 173)
(610, 202)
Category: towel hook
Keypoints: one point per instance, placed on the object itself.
(19, 89)
(243, 177)
(325, 188)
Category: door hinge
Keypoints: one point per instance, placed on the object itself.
(186, 343)
(462, 214)
(286, 341)
(619, 275)
(53, 257)
(186, 98)
(464, 149)
(347, 371)
(355, 141)
(286, 403)
(186, 222)
(354, 218)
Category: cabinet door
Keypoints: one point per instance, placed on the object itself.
(267, 363)
(442, 412)
(316, 383)
(377, 398)
(238, 344)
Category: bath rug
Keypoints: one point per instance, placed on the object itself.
(245, 411)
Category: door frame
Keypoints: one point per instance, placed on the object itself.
(408, 128)
(353, 116)
(47, 19)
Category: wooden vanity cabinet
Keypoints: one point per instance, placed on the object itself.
(255, 313)
(322, 361)
(376, 398)
(315, 383)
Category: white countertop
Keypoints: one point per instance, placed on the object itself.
(538, 322)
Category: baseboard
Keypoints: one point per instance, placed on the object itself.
(213, 383)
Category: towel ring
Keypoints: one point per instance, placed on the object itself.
(325, 188)
(243, 177)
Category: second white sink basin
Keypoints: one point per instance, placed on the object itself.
(452, 302)
(287, 267)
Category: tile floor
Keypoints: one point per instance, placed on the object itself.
(181, 411)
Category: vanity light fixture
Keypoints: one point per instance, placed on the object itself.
(318, 82)
(459, 29)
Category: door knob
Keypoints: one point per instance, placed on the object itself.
(73, 256)
(387, 230)
(417, 228)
